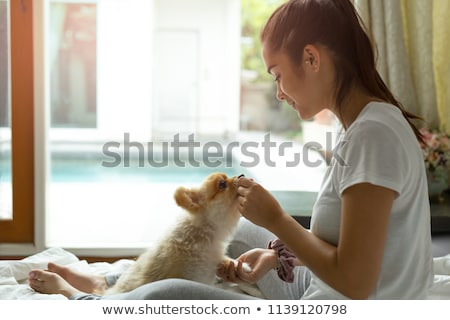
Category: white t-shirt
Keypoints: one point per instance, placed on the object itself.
(380, 148)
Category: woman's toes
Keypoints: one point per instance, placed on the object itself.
(59, 269)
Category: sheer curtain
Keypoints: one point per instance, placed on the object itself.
(441, 57)
(413, 53)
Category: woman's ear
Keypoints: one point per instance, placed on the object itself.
(311, 57)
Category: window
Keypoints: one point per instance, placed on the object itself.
(5, 130)
(125, 83)
(73, 64)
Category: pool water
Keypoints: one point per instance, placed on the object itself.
(5, 171)
(93, 171)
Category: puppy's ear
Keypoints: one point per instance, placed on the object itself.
(188, 199)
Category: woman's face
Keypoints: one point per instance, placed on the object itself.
(303, 85)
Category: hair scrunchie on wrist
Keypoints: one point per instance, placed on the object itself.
(285, 260)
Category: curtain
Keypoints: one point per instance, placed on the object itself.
(441, 56)
(411, 37)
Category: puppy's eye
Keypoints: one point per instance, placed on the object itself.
(222, 184)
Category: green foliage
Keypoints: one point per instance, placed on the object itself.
(254, 14)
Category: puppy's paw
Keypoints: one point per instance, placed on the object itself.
(245, 266)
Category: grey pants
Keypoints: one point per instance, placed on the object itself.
(248, 236)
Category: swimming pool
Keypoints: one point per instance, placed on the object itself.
(5, 170)
(92, 171)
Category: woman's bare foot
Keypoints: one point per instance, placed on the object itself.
(63, 280)
(89, 283)
(50, 283)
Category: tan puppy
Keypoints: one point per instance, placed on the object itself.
(196, 245)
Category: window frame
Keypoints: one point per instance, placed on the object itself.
(21, 228)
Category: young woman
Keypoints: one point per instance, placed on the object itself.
(370, 227)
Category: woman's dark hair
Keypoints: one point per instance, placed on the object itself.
(336, 25)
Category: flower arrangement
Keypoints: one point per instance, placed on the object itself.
(436, 153)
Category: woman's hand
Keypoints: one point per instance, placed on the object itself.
(259, 260)
(257, 204)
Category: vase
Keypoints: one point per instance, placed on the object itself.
(437, 182)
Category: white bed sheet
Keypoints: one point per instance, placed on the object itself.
(14, 274)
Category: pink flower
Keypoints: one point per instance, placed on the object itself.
(436, 149)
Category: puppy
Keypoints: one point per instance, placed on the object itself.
(196, 244)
